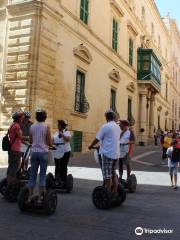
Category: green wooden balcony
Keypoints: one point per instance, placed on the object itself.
(149, 68)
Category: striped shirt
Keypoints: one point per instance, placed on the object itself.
(39, 135)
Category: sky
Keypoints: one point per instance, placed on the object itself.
(171, 6)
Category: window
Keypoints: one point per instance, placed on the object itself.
(129, 109)
(115, 35)
(79, 94)
(113, 100)
(131, 51)
(84, 11)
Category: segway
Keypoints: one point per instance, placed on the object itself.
(47, 206)
(52, 183)
(130, 184)
(57, 184)
(102, 198)
(11, 191)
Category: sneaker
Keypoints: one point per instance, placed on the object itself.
(175, 187)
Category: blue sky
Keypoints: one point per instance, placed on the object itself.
(171, 6)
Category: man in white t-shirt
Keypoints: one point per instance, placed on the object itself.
(108, 136)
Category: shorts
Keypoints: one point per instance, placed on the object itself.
(173, 170)
(14, 162)
(108, 167)
(125, 160)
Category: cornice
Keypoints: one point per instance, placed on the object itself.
(131, 27)
(115, 5)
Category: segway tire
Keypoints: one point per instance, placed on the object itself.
(69, 183)
(50, 202)
(22, 198)
(122, 193)
(11, 193)
(101, 198)
(3, 186)
(132, 183)
(49, 181)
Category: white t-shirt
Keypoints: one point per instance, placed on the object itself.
(124, 149)
(63, 146)
(108, 136)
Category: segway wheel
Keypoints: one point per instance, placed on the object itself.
(11, 193)
(122, 193)
(69, 183)
(49, 181)
(3, 186)
(132, 183)
(50, 202)
(101, 198)
(22, 198)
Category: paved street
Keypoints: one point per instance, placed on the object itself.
(155, 205)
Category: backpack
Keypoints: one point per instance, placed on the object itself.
(6, 145)
(132, 137)
(175, 155)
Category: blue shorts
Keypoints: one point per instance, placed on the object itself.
(174, 169)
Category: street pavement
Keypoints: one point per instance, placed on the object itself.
(154, 207)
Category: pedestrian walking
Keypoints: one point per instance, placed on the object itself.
(165, 145)
(173, 154)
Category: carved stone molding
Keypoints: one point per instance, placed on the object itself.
(131, 87)
(132, 28)
(83, 53)
(115, 5)
(166, 113)
(114, 75)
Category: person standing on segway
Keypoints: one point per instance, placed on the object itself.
(40, 138)
(14, 154)
(108, 136)
(61, 140)
(25, 128)
(124, 148)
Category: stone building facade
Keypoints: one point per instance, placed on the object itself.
(77, 58)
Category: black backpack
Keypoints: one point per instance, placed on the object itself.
(6, 145)
(175, 155)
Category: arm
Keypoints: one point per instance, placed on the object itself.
(94, 142)
(66, 138)
(19, 133)
(48, 137)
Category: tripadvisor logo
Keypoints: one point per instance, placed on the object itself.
(139, 231)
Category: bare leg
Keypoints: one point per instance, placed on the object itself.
(171, 177)
(175, 179)
(108, 184)
(128, 170)
(115, 183)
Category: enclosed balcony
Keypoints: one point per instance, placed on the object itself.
(148, 71)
